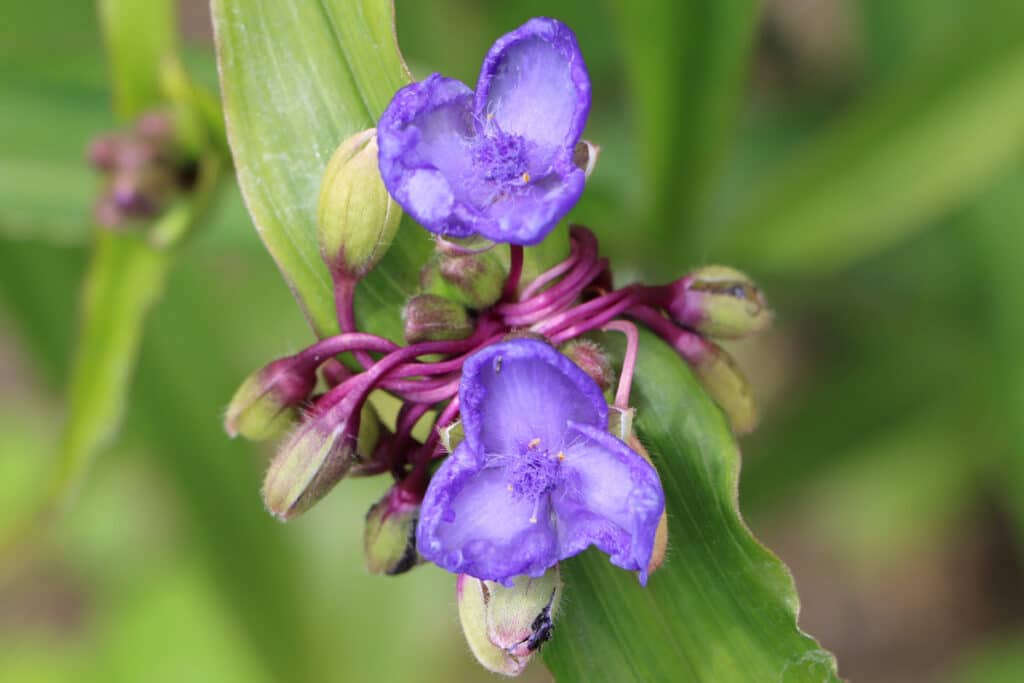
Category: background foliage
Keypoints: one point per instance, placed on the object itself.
(861, 159)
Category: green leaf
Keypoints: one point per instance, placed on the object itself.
(139, 34)
(687, 63)
(722, 607)
(298, 79)
(911, 151)
(125, 279)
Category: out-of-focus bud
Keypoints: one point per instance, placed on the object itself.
(720, 302)
(317, 456)
(585, 156)
(504, 626)
(429, 317)
(356, 218)
(264, 406)
(592, 359)
(724, 382)
(103, 151)
(474, 280)
(389, 536)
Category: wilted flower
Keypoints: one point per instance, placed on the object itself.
(538, 478)
(497, 162)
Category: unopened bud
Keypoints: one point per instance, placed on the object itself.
(722, 378)
(592, 359)
(103, 151)
(504, 626)
(474, 280)
(429, 317)
(585, 156)
(720, 302)
(356, 218)
(264, 406)
(389, 537)
(317, 456)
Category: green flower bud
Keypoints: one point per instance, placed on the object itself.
(389, 536)
(265, 405)
(726, 384)
(504, 626)
(474, 280)
(429, 317)
(592, 359)
(720, 302)
(317, 456)
(356, 218)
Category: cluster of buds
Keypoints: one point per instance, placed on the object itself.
(468, 300)
(144, 170)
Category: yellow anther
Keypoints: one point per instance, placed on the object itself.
(490, 116)
(561, 455)
(526, 177)
(533, 520)
(509, 487)
(534, 443)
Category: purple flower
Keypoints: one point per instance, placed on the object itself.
(538, 478)
(498, 163)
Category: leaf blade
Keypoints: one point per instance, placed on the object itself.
(297, 79)
(722, 607)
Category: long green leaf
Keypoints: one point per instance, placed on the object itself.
(125, 279)
(139, 36)
(687, 61)
(297, 79)
(913, 150)
(722, 608)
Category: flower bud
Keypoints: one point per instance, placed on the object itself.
(504, 625)
(720, 302)
(103, 151)
(474, 280)
(585, 156)
(592, 359)
(317, 456)
(726, 384)
(389, 536)
(264, 406)
(429, 317)
(356, 218)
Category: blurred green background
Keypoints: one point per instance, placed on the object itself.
(862, 160)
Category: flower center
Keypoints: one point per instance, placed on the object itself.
(535, 471)
(501, 158)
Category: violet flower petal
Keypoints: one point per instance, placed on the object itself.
(425, 157)
(516, 391)
(609, 497)
(471, 523)
(534, 84)
(499, 165)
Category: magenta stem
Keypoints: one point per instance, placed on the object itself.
(577, 313)
(515, 272)
(628, 360)
(552, 273)
(344, 304)
(690, 345)
(313, 356)
(593, 323)
(575, 281)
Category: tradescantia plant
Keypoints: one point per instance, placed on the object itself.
(508, 352)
